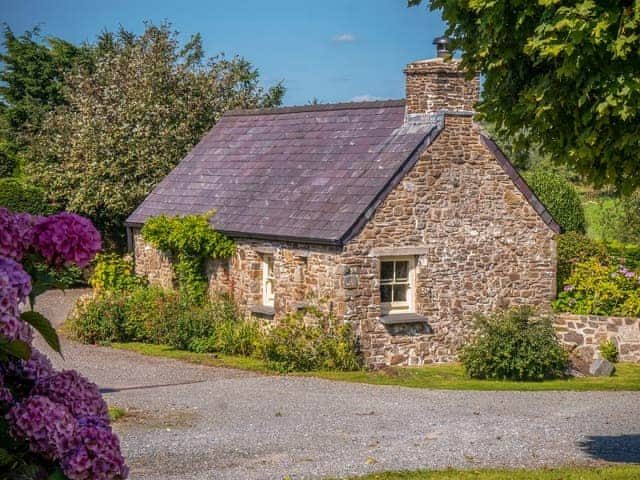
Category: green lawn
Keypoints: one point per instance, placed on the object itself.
(217, 360)
(445, 377)
(627, 472)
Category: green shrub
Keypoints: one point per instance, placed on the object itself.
(574, 247)
(559, 196)
(609, 351)
(112, 272)
(18, 196)
(293, 345)
(514, 345)
(98, 319)
(8, 163)
(627, 254)
(191, 241)
(597, 289)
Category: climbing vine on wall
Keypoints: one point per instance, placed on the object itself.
(191, 241)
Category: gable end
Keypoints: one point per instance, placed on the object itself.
(521, 184)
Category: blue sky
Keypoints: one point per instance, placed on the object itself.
(333, 50)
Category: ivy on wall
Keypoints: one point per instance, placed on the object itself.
(191, 241)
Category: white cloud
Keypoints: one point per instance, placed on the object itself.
(365, 98)
(344, 38)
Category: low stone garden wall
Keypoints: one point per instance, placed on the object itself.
(586, 332)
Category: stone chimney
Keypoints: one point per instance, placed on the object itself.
(438, 84)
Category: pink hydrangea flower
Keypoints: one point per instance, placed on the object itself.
(75, 392)
(95, 453)
(29, 371)
(47, 426)
(10, 241)
(66, 238)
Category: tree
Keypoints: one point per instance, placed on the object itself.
(32, 71)
(564, 75)
(128, 120)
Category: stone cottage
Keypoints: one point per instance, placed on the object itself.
(401, 217)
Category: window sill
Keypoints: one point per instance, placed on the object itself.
(263, 311)
(402, 318)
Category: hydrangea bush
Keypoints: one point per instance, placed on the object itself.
(52, 424)
(597, 289)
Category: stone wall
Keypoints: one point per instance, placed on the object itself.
(437, 84)
(152, 263)
(585, 333)
(482, 245)
(304, 275)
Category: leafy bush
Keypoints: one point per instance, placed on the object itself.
(112, 272)
(191, 241)
(559, 196)
(609, 351)
(293, 345)
(18, 196)
(627, 254)
(514, 345)
(574, 247)
(159, 316)
(597, 289)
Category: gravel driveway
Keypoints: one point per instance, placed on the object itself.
(196, 422)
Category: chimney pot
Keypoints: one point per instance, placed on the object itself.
(442, 46)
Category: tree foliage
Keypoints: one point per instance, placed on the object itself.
(129, 118)
(32, 73)
(564, 75)
(559, 196)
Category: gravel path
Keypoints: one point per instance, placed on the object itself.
(195, 422)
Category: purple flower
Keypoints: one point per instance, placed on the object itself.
(94, 453)
(47, 426)
(629, 274)
(568, 288)
(5, 393)
(15, 286)
(70, 389)
(37, 367)
(10, 240)
(66, 238)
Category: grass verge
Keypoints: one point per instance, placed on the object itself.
(451, 377)
(215, 360)
(442, 377)
(626, 472)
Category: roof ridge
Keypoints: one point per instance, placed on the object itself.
(322, 107)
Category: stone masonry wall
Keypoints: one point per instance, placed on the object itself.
(585, 333)
(151, 262)
(437, 84)
(304, 275)
(484, 248)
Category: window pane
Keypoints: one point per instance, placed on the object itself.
(385, 293)
(400, 293)
(402, 270)
(386, 271)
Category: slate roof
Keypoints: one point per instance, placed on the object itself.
(312, 174)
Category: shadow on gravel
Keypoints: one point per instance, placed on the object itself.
(619, 449)
(143, 387)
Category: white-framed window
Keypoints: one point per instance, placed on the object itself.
(267, 281)
(397, 284)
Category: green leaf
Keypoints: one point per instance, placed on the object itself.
(57, 475)
(44, 327)
(5, 457)
(17, 348)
